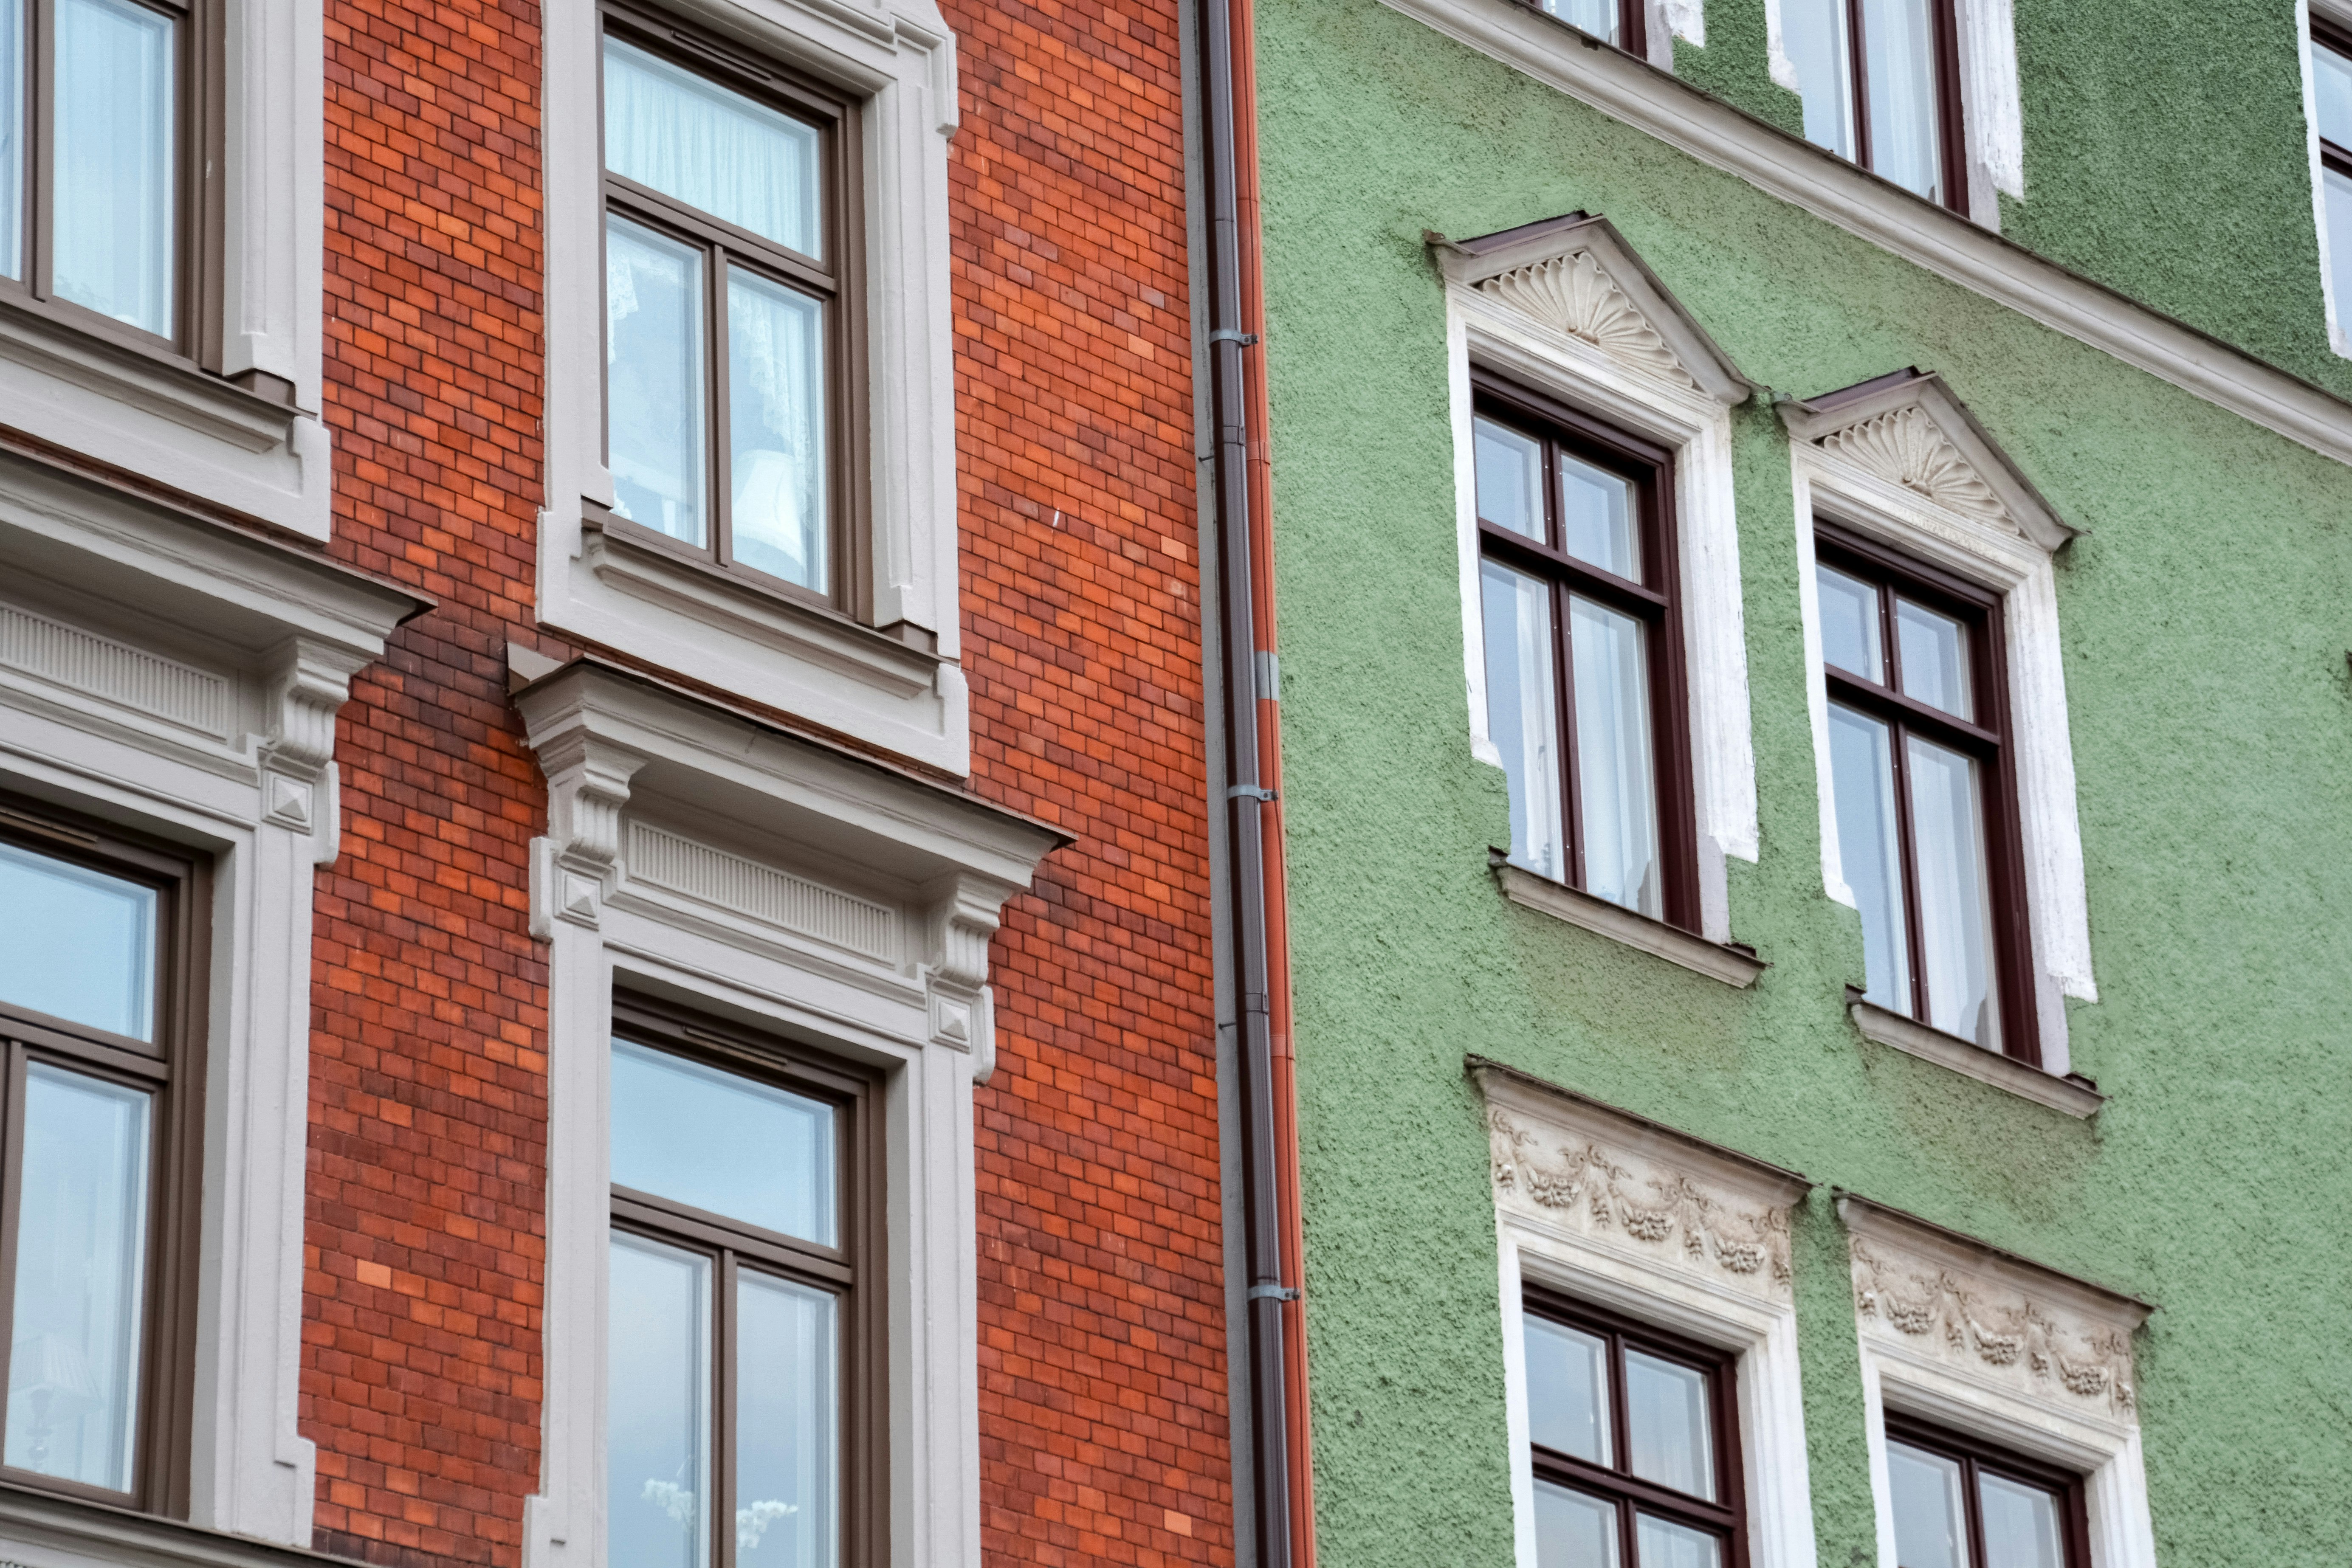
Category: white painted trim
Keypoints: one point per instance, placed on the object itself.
(2057, 899)
(189, 429)
(2339, 338)
(898, 58)
(1942, 241)
(1697, 426)
(796, 890)
(245, 776)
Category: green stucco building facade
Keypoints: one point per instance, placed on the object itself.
(1988, 1176)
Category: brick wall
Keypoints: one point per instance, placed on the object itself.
(421, 1330)
(1103, 1435)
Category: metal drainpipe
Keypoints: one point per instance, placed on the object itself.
(1249, 801)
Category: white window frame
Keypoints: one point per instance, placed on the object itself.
(190, 430)
(791, 888)
(183, 678)
(1715, 1269)
(2340, 333)
(898, 684)
(1995, 1342)
(1644, 366)
(1972, 513)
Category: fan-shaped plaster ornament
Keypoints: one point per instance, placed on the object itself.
(1906, 448)
(1573, 294)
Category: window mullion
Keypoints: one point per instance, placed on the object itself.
(720, 455)
(1973, 1507)
(12, 1184)
(40, 206)
(723, 1447)
(1858, 65)
(1564, 694)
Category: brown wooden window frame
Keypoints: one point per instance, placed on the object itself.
(852, 1271)
(1615, 1481)
(1951, 133)
(2336, 39)
(1655, 601)
(1975, 1455)
(836, 280)
(172, 1068)
(1990, 741)
(1633, 26)
(198, 150)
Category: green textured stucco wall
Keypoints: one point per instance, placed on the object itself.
(2205, 618)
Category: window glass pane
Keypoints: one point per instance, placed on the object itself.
(1850, 624)
(1814, 34)
(1510, 478)
(653, 378)
(1522, 714)
(2339, 190)
(1935, 659)
(1898, 44)
(1861, 785)
(775, 403)
(15, 101)
(657, 1437)
(1665, 1544)
(720, 1141)
(1598, 17)
(77, 944)
(1670, 1427)
(1616, 789)
(1930, 1517)
(1955, 914)
(1568, 1389)
(115, 123)
(1596, 518)
(2331, 76)
(1573, 1531)
(2020, 1523)
(787, 1426)
(81, 1249)
(689, 138)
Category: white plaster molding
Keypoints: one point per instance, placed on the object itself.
(1885, 1026)
(2002, 551)
(1733, 966)
(796, 888)
(150, 609)
(1968, 1336)
(1992, 111)
(1929, 236)
(2338, 311)
(1750, 1310)
(1695, 423)
(897, 59)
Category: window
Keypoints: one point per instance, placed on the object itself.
(1635, 1439)
(1880, 80)
(1584, 640)
(729, 220)
(98, 177)
(1618, 21)
(739, 1274)
(98, 957)
(1922, 775)
(1960, 1504)
(2331, 81)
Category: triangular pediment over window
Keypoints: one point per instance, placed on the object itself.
(1576, 276)
(1908, 430)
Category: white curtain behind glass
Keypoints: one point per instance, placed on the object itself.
(1616, 792)
(1899, 45)
(1814, 35)
(711, 148)
(14, 103)
(114, 187)
(1521, 715)
(776, 354)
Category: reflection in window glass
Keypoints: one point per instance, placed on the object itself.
(1568, 1389)
(1597, 519)
(1522, 715)
(775, 401)
(15, 104)
(1862, 786)
(2331, 81)
(1934, 658)
(1814, 34)
(657, 1421)
(1954, 913)
(1573, 1531)
(717, 151)
(1663, 1544)
(720, 1141)
(1930, 1513)
(2337, 191)
(77, 944)
(1510, 479)
(1850, 624)
(81, 1247)
(1899, 64)
(787, 1426)
(1598, 17)
(114, 179)
(2020, 1523)
(1616, 791)
(652, 379)
(1668, 1425)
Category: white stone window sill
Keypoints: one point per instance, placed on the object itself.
(1734, 967)
(155, 382)
(2073, 1096)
